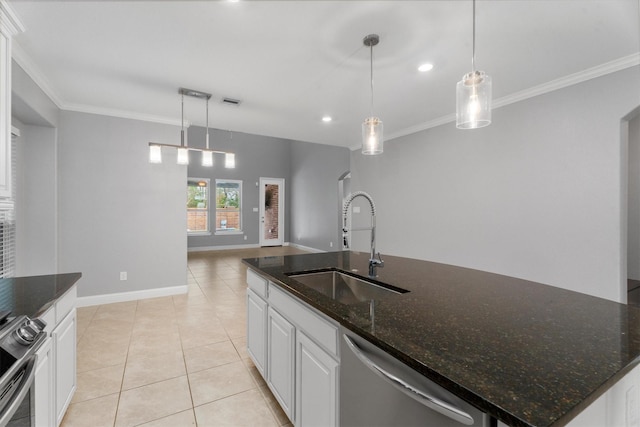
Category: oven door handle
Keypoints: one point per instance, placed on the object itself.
(18, 397)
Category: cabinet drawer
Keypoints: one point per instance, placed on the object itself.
(66, 303)
(257, 283)
(306, 318)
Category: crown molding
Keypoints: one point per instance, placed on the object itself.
(24, 61)
(123, 114)
(566, 81)
(21, 57)
(33, 71)
(572, 79)
(10, 24)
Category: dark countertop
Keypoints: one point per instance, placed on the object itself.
(527, 353)
(33, 295)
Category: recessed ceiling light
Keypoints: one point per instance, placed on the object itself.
(327, 119)
(425, 67)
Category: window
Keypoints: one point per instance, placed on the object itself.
(197, 205)
(7, 243)
(228, 206)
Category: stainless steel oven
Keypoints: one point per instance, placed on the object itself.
(19, 341)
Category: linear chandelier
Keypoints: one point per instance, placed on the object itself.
(155, 148)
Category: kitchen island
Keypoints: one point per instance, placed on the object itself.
(526, 353)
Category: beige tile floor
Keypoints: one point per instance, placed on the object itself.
(175, 361)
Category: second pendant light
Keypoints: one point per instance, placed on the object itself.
(372, 131)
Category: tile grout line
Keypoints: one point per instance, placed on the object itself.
(124, 370)
(184, 359)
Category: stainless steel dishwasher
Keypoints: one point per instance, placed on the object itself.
(378, 390)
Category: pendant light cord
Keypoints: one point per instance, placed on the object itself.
(371, 48)
(207, 136)
(182, 128)
(473, 47)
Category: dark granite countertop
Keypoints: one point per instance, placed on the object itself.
(33, 295)
(526, 353)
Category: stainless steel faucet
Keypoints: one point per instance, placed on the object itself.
(373, 262)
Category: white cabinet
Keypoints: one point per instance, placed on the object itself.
(257, 330)
(64, 343)
(280, 360)
(55, 380)
(10, 25)
(43, 387)
(301, 361)
(5, 117)
(316, 384)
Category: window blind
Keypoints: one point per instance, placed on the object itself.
(7, 243)
(8, 224)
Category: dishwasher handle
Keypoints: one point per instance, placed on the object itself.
(424, 398)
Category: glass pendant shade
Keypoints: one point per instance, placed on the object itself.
(473, 101)
(372, 136)
(155, 154)
(207, 158)
(183, 156)
(229, 160)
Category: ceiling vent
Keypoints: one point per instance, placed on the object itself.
(231, 101)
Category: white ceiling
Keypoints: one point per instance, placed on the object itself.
(291, 62)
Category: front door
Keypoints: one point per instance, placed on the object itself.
(271, 211)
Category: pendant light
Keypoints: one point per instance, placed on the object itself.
(372, 136)
(155, 148)
(473, 93)
(155, 154)
(183, 151)
(230, 158)
(207, 155)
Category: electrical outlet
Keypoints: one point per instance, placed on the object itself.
(123, 275)
(245, 237)
(330, 244)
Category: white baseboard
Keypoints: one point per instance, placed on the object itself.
(231, 247)
(131, 296)
(305, 248)
(221, 248)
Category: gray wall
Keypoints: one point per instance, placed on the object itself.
(311, 174)
(256, 156)
(118, 212)
(633, 254)
(29, 103)
(36, 201)
(536, 195)
(36, 182)
(315, 170)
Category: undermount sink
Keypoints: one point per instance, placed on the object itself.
(344, 287)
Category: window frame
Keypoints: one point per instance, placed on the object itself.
(229, 232)
(206, 232)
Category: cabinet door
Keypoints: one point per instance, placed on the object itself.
(257, 330)
(280, 360)
(43, 386)
(5, 116)
(316, 385)
(64, 341)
